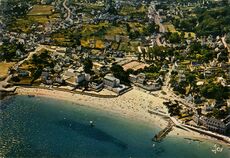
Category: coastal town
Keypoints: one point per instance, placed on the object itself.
(109, 50)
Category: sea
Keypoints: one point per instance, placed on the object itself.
(39, 127)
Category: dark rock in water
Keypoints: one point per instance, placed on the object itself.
(31, 96)
(93, 133)
(3, 95)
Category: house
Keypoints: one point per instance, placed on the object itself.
(189, 98)
(69, 73)
(227, 121)
(74, 78)
(133, 78)
(200, 83)
(96, 86)
(152, 86)
(222, 81)
(23, 73)
(113, 84)
(59, 80)
(140, 81)
(44, 75)
(207, 73)
(79, 77)
(141, 78)
(228, 102)
(181, 77)
(208, 106)
(111, 81)
(213, 124)
(164, 68)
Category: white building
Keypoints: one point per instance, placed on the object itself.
(111, 81)
(211, 124)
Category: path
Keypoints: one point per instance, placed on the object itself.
(38, 49)
(68, 10)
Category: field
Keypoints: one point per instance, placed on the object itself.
(127, 10)
(171, 28)
(41, 10)
(4, 67)
(24, 24)
(135, 65)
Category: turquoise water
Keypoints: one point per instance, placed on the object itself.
(42, 127)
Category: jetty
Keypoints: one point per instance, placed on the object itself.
(162, 134)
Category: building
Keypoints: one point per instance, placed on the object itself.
(111, 81)
(141, 78)
(74, 78)
(181, 77)
(141, 81)
(96, 86)
(113, 84)
(211, 124)
(79, 77)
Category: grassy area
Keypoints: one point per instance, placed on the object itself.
(4, 67)
(137, 26)
(98, 43)
(41, 10)
(24, 24)
(192, 34)
(89, 29)
(127, 10)
(40, 14)
(171, 28)
(113, 30)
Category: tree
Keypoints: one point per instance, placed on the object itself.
(174, 37)
(155, 52)
(120, 73)
(87, 65)
(37, 74)
(8, 51)
(150, 29)
(112, 10)
(214, 91)
(128, 28)
(134, 34)
(44, 59)
(191, 78)
(195, 47)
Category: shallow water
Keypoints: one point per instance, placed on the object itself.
(43, 127)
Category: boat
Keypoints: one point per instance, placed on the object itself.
(30, 96)
(154, 145)
(91, 123)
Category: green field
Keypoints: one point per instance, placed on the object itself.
(41, 10)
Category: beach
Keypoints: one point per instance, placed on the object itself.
(133, 105)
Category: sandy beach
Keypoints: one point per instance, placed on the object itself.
(133, 105)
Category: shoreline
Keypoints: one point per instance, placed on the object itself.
(133, 105)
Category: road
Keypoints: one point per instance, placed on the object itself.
(154, 16)
(38, 49)
(158, 22)
(172, 95)
(68, 10)
(223, 39)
